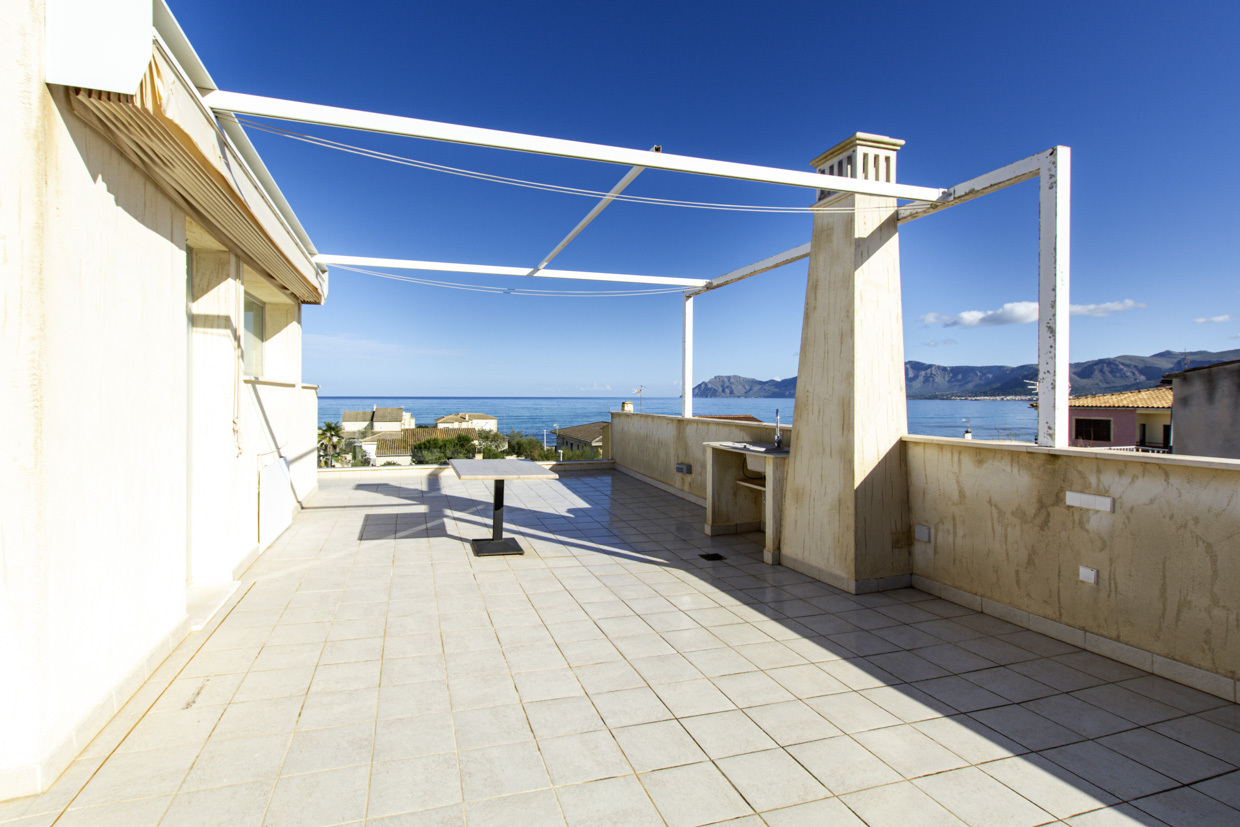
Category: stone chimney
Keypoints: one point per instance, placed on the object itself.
(865, 156)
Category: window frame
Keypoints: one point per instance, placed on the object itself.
(253, 308)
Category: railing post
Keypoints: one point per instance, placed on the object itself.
(686, 365)
(1054, 252)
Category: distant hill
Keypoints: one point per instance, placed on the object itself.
(925, 381)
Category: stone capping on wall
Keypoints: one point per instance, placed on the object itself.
(1095, 453)
(1199, 679)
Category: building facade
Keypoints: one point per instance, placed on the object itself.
(149, 270)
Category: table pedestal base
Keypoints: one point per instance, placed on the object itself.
(494, 548)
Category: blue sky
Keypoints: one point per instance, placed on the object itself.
(1145, 94)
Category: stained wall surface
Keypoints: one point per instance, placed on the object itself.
(1168, 556)
(651, 445)
(1207, 411)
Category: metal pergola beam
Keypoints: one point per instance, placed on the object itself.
(766, 264)
(263, 107)
(496, 270)
(591, 215)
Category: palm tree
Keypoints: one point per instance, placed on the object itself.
(330, 436)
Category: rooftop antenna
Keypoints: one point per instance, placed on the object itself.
(638, 390)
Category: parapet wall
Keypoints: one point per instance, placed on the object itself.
(1167, 552)
(651, 445)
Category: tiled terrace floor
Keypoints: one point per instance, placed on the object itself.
(376, 672)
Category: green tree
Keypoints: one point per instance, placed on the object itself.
(331, 434)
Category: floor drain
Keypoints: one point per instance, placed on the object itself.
(712, 556)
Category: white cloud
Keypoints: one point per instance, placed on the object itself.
(594, 387)
(1105, 309)
(939, 343)
(1226, 317)
(1022, 313)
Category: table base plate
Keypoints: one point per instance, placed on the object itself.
(494, 548)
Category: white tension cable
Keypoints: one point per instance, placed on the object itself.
(535, 185)
(517, 291)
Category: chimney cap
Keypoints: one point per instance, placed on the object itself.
(866, 139)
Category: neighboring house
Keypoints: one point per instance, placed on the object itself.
(588, 437)
(394, 446)
(1207, 410)
(150, 271)
(362, 423)
(1140, 418)
(475, 421)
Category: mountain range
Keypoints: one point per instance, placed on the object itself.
(926, 381)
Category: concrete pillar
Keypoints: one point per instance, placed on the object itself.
(846, 507)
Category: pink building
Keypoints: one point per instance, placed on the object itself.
(1140, 418)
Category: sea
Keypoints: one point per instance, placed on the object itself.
(986, 418)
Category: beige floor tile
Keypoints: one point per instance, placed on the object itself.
(424, 783)
(630, 706)
(1165, 755)
(174, 728)
(288, 656)
(1025, 727)
(126, 814)
(1121, 815)
(351, 651)
(665, 668)
(857, 673)
(423, 698)
(1203, 735)
(563, 716)
(971, 740)
(536, 808)
(339, 709)
(547, 684)
(897, 805)
(751, 689)
(909, 751)
(806, 681)
(791, 722)
(276, 683)
(1130, 705)
(977, 799)
(241, 805)
(692, 697)
(1010, 684)
(589, 756)
(1173, 694)
(693, 795)
(206, 690)
(414, 736)
(127, 776)
(503, 770)
(1109, 770)
(828, 811)
(658, 745)
(843, 765)
(722, 734)
(1051, 787)
(852, 712)
(331, 797)
(1078, 716)
(238, 761)
(475, 693)
(1186, 807)
(534, 658)
(771, 779)
(614, 801)
(315, 750)
(907, 703)
(343, 677)
(1225, 788)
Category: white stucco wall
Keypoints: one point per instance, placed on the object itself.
(100, 536)
(94, 335)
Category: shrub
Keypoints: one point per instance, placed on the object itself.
(434, 450)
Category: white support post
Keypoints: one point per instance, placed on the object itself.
(1054, 245)
(686, 365)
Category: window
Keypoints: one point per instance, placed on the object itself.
(1093, 430)
(252, 339)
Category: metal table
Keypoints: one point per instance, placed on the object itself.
(499, 470)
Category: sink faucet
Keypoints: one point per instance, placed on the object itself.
(779, 439)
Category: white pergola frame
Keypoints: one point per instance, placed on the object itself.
(1052, 168)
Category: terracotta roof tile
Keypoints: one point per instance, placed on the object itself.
(1157, 397)
(588, 432)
